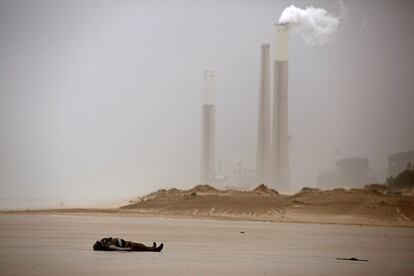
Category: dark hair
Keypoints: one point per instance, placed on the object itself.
(98, 246)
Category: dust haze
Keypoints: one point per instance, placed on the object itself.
(101, 100)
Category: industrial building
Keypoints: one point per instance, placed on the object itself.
(242, 176)
(349, 173)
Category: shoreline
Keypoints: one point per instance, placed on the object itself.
(305, 219)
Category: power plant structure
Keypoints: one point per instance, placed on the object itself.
(274, 170)
(263, 154)
(272, 163)
(208, 110)
(280, 129)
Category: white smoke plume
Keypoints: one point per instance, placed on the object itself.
(315, 25)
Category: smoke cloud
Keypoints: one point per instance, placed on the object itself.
(315, 25)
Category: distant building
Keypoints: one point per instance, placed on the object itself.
(243, 177)
(349, 173)
(399, 161)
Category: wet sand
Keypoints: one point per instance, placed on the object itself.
(62, 245)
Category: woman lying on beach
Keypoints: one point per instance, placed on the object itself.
(116, 244)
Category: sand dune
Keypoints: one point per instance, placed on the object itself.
(360, 206)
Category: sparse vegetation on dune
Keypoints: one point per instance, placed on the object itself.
(405, 180)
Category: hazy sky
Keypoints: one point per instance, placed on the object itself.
(101, 99)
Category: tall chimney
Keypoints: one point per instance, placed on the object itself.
(207, 129)
(280, 131)
(263, 131)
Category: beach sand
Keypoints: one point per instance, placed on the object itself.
(62, 245)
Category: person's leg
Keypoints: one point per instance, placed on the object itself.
(139, 246)
(159, 248)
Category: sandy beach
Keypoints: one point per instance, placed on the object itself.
(248, 137)
(62, 245)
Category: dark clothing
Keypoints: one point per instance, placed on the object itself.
(117, 244)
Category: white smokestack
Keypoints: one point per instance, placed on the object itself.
(280, 128)
(208, 131)
(208, 93)
(263, 131)
(315, 25)
(281, 42)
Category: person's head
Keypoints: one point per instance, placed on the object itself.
(98, 245)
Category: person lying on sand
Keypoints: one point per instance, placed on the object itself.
(116, 244)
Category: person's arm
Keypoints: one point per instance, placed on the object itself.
(117, 248)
